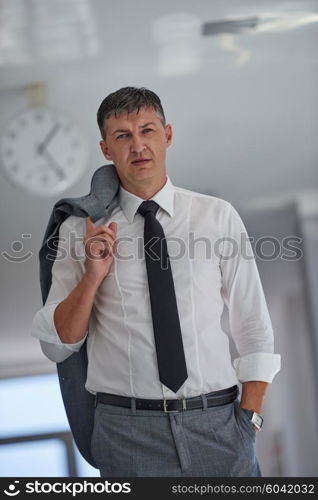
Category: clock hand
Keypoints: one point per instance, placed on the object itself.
(48, 138)
(54, 165)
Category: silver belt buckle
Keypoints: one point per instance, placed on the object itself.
(184, 406)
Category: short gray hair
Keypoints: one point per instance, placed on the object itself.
(127, 100)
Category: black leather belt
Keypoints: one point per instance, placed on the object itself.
(215, 398)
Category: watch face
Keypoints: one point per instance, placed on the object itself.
(43, 151)
(257, 420)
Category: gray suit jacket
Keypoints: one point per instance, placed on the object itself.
(100, 202)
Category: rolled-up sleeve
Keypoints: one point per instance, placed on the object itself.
(242, 291)
(67, 271)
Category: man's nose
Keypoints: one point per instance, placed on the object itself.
(137, 145)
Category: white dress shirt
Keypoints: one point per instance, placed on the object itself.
(205, 238)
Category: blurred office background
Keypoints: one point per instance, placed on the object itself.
(238, 80)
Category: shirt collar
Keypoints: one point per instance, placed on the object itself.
(129, 202)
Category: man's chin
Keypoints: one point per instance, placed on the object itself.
(142, 173)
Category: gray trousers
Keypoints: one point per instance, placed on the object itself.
(209, 442)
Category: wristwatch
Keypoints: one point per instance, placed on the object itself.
(256, 419)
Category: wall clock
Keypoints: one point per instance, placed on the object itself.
(43, 151)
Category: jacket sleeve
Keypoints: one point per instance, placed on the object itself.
(67, 271)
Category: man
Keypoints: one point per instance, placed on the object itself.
(158, 415)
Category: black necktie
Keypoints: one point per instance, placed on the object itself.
(165, 318)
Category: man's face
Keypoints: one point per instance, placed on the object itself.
(136, 143)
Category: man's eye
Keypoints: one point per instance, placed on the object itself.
(146, 130)
(122, 136)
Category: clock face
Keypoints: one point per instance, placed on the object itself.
(43, 152)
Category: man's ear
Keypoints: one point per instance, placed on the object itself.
(169, 134)
(105, 150)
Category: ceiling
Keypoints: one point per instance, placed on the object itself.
(243, 105)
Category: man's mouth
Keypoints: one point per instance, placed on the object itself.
(141, 161)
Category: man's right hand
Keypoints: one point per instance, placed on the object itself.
(99, 249)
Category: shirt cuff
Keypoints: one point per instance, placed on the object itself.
(262, 366)
(43, 328)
